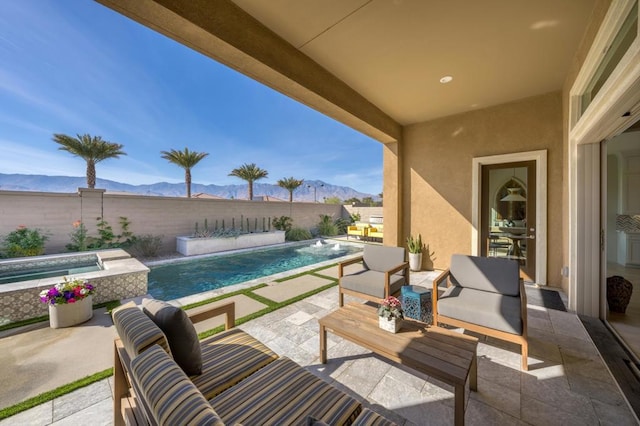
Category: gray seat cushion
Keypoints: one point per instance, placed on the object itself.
(382, 258)
(486, 273)
(371, 282)
(483, 308)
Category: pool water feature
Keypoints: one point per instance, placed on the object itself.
(174, 280)
(36, 273)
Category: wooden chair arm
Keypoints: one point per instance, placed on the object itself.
(205, 312)
(341, 265)
(387, 276)
(436, 283)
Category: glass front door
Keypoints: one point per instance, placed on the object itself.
(509, 214)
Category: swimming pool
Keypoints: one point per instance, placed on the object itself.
(179, 279)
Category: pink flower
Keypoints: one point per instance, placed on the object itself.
(77, 223)
(72, 300)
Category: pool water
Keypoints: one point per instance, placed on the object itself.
(179, 279)
(40, 273)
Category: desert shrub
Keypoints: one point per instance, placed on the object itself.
(24, 242)
(327, 226)
(297, 234)
(342, 225)
(147, 245)
(282, 223)
(107, 238)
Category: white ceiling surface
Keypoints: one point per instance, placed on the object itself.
(394, 52)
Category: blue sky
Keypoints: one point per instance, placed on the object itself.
(76, 67)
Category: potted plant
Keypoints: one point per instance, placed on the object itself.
(70, 302)
(390, 314)
(415, 252)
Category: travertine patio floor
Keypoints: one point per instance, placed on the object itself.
(567, 383)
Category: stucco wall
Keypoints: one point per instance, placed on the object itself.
(437, 159)
(55, 213)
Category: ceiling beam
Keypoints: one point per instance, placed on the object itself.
(221, 30)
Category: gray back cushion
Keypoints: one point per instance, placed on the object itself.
(182, 336)
(486, 273)
(381, 258)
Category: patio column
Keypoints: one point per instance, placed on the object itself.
(392, 195)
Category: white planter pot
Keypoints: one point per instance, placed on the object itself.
(392, 325)
(70, 314)
(415, 261)
(190, 246)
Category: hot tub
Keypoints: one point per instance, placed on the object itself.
(114, 273)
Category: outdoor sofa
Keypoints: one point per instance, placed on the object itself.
(164, 375)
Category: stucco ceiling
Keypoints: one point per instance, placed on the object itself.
(394, 52)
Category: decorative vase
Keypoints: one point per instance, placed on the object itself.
(68, 314)
(415, 261)
(392, 325)
(619, 292)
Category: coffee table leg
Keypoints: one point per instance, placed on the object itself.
(473, 374)
(458, 415)
(323, 345)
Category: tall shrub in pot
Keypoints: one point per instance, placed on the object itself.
(414, 245)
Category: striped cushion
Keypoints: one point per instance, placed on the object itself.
(170, 395)
(227, 358)
(136, 330)
(371, 418)
(283, 393)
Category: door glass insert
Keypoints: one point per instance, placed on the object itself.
(508, 214)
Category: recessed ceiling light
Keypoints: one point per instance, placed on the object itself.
(446, 79)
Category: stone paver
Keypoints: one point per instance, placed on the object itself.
(281, 291)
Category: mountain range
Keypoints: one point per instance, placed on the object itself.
(43, 183)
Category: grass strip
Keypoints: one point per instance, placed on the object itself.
(301, 274)
(109, 305)
(271, 306)
(55, 393)
(23, 322)
(245, 292)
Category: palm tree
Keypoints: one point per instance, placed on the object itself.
(185, 159)
(250, 173)
(290, 184)
(91, 149)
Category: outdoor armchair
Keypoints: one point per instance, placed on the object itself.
(384, 271)
(484, 295)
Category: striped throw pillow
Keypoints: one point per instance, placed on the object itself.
(136, 330)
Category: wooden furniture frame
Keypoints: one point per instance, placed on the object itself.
(440, 353)
(502, 335)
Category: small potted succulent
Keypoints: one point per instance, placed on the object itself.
(390, 314)
(415, 247)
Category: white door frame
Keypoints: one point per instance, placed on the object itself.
(612, 110)
(540, 157)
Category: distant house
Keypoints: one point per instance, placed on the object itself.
(208, 196)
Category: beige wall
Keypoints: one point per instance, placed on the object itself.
(437, 157)
(55, 213)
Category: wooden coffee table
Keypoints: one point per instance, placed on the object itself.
(435, 351)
